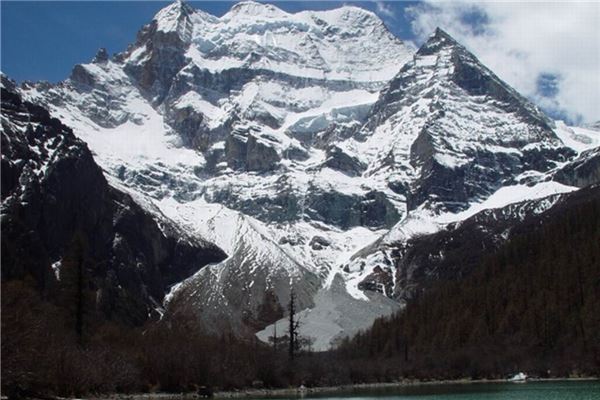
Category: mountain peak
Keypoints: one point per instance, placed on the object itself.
(469, 73)
(439, 33)
(357, 10)
(251, 8)
(169, 17)
(101, 56)
(349, 15)
(438, 40)
(175, 8)
(441, 102)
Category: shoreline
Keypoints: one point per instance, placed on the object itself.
(250, 393)
(357, 387)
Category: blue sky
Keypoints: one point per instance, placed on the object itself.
(44, 40)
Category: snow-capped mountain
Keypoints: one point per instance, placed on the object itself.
(456, 128)
(309, 147)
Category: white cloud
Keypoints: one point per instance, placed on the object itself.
(521, 41)
(385, 10)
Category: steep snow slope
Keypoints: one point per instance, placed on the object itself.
(306, 44)
(246, 290)
(577, 138)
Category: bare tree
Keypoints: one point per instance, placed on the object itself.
(294, 324)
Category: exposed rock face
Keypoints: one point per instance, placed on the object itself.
(190, 125)
(319, 243)
(260, 156)
(340, 161)
(245, 151)
(380, 280)
(55, 198)
(163, 54)
(332, 208)
(372, 210)
(101, 56)
(582, 171)
(81, 76)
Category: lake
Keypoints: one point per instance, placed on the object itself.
(556, 390)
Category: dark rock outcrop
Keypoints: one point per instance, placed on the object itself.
(380, 280)
(101, 56)
(582, 171)
(337, 159)
(164, 54)
(81, 76)
(190, 126)
(319, 243)
(373, 209)
(245, 151)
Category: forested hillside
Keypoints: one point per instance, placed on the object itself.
(532, 305)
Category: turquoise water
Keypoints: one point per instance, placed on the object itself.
(558, 390)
